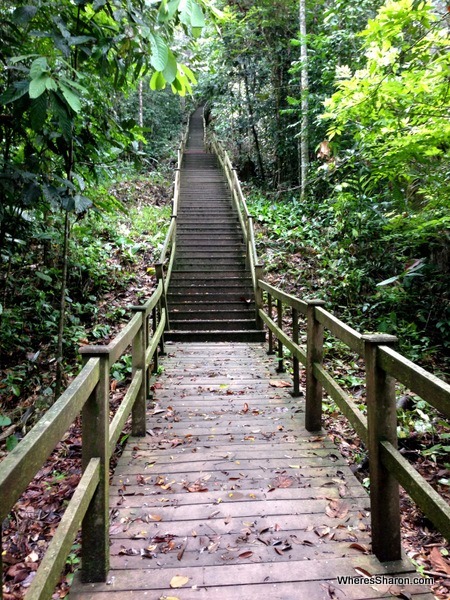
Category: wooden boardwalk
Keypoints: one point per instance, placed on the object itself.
(229, 496)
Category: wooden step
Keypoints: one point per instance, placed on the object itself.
(252, 336)
(213, 325)
(210, 315)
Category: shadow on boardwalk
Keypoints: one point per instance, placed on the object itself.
(229, 495)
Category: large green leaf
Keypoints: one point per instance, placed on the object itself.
(189, 74)
(38, 67)
(72, 99)
(158, 81)
(160, 52)
(197, 16)
(19, 89)
(170, 72)
(38, 86)
(38, 112)
(23, 14)
(167, 10)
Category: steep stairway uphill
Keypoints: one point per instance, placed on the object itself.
(210, 296)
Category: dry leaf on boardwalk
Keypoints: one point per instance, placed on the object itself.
(359, 547)
(337, 509)
(279, 383)
(178, 581)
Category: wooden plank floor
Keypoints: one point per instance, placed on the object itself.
(229, 492)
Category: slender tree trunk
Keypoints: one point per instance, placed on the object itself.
(253, 126)
(69, 166)
(141, 109)
(303, 141)
(62, 307)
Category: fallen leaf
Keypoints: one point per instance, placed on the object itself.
(362, 571)
(246, 554)
(438, 561)
(279, 383)
(337, 509)
(32, 557)
(322, 531)
(178, 581)
(359, 547)
(182, 549)
(396, 591)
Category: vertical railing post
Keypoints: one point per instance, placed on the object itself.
(139, 346)
(95, 444)
(248, 248)
(381, 426)
(269, 311)
(259, 303)
(295, 361)
(314, 354)
(280, 368)
(160, 277)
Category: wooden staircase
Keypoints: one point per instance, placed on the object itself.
(210, 296)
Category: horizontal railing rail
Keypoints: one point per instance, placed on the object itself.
(164, 266)
(88, 395)
(378, 430)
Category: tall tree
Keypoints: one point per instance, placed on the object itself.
(304, 90)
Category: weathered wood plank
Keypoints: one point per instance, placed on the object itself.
(341, 330)
(425, 384)
(432, 504)
(256, 573)
(274, 591)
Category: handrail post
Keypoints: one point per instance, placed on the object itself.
(259, 303)
(281, 367)
(139, 345)
(314, 354)
(159, 268)
(381, 426)
(269, 311)
(159, 312)
(295, 361)
(248, 248)
(95, 436)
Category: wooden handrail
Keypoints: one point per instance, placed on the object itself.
(88, 393)
(384, 366)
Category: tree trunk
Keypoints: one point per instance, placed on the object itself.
(303, 141)
(62, 308)
(141, 110)
(253, 126)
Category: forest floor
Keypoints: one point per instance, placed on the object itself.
(33, 520)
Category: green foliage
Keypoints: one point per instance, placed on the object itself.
(396, 110)
(122, 369)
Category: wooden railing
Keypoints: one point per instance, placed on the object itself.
(164, 266)
(88, 395)
(245, 218)
(384, 367)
